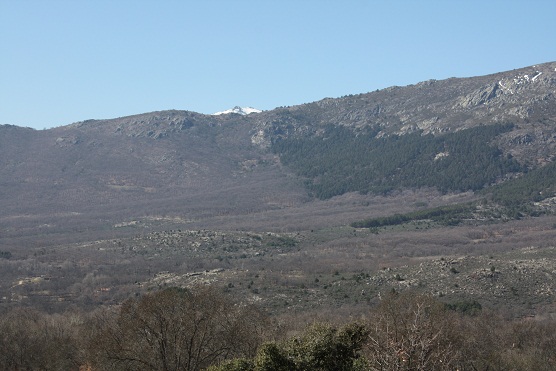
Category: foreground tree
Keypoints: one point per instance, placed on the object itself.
(412, 332)
(31, 340)
(177, 329)
(319, 347)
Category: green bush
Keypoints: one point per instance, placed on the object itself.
(320, 347)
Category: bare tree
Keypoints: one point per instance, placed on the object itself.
(411, 332)
(31, 340)
(178, 329)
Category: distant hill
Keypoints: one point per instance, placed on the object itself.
(454, 135)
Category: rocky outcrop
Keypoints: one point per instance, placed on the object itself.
(524, 97)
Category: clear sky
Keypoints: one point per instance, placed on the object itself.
(66, 61)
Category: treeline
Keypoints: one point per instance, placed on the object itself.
(534, 186)
(177, 329)
(514, 198)
(172, 329)
(445, 215)
(341, 160)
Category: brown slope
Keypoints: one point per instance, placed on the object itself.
(162, 163)
(198, 166)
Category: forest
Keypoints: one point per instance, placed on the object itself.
(458, 161)
(534, 186)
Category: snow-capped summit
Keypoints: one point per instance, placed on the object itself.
(239, 110)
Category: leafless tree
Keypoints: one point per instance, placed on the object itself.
(411, 332)
(177, 329)
(31, 340)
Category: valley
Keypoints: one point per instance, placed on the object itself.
(444, 189)
(294, 262)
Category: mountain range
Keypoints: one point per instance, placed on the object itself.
(445, 187)
(243, 170)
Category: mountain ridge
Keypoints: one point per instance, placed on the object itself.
(500, 88)
(202, 166)
(326, 204)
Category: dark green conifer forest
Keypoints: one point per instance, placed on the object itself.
(341, 160)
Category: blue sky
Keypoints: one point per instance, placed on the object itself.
(67, 61)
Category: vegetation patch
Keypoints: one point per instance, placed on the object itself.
(534, 186)
(341, 160)
(5, 254)
(445, 215)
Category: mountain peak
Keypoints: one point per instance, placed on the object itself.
(239, 110)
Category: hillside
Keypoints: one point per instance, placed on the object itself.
(524, 97)
(166, 164)
(293, 206)
(194, 166)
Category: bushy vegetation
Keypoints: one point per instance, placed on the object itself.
(446, 215)
(469, 307)
(340, 160)
(536, 185)
(320, 346)
(176, 329)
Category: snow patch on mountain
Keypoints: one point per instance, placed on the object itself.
(239, 110)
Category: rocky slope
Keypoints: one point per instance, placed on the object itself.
(525, 97)
(185, 163)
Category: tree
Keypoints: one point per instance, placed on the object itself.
(321, 347)
(410, 331)
(178, 329)
(31, 340)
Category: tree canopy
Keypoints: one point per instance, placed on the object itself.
(342, 160)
